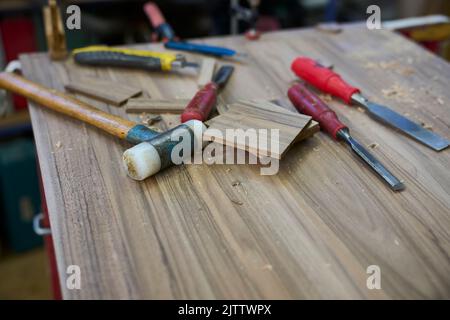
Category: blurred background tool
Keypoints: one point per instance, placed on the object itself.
(308, 103)
(249, 15)
(166, 34)
(332, 83)
(54, 31)
(131, 58)
(205, 99)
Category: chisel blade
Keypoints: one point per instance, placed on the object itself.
(393, 182)
(396, 120)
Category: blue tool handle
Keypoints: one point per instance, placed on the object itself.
(201, 48)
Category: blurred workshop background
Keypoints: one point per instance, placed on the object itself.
(24, 261)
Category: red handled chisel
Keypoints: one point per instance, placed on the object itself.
(330, 82)
(308, 103)
(205, 99)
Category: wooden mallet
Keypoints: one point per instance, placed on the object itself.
(153, 150)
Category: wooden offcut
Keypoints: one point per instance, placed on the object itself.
(110, 92)
(256, 115)
(54, 31)
(206, 71)
(139, 105)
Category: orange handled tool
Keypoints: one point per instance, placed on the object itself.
(308, 103)
(205, 99)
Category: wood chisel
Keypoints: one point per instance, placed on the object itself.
(131, 58)
(308, 103)
(167, 35)
(330, 82)
(205, 99)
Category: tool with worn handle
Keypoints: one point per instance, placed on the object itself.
(205, 99)
(308, 103)
(152, 151)
(330, 82)
(130, 58)
(167, 35)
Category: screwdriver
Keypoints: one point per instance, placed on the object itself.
(167, 35)
(308, 103)
(330, 82)
(205, 99)
(130, 58)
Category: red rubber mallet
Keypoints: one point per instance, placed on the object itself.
(205, 99)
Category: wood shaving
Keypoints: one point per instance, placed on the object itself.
(426, 126)
(373, 145)
(239, 203)
(236, 183)
(440, 101)
(267, 267)
(326, 97)
(58, 145)
(153, 120)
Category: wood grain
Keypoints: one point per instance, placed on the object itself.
(225, 231)
(139, 105)
(108, 91)
(251, 115)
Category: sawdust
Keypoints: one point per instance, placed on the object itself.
(326, 97)
(426, 125)
(396, 66)
(268, 267)
(373, 145)
(236, 183)
(398, 93)
(440, 101)
(58, 145)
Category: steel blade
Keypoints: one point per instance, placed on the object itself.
(398, 121)
(373, 162)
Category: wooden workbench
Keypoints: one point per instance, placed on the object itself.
(225, 231)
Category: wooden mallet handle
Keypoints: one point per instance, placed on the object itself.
(65, 104)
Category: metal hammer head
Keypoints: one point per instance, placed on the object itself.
(149, 157)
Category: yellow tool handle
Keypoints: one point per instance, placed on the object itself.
(104, 55)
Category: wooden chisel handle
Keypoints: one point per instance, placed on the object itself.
(65, 104)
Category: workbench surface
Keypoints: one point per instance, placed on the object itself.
(225, 231)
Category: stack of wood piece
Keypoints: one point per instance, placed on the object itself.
(292, 126)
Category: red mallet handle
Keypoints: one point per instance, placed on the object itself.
(201, 104)
(308, 103)
(323, 78)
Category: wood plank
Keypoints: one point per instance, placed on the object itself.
(139, 105)
(225, 231)
(206, 71)
(254, 116)
(107, 91)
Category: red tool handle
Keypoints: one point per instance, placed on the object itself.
(154, 14)
(323, 78)
(201, 105)
(308, 103)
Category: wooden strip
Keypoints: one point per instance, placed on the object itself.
(107, 91)
(140, 105)
(206, 71)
